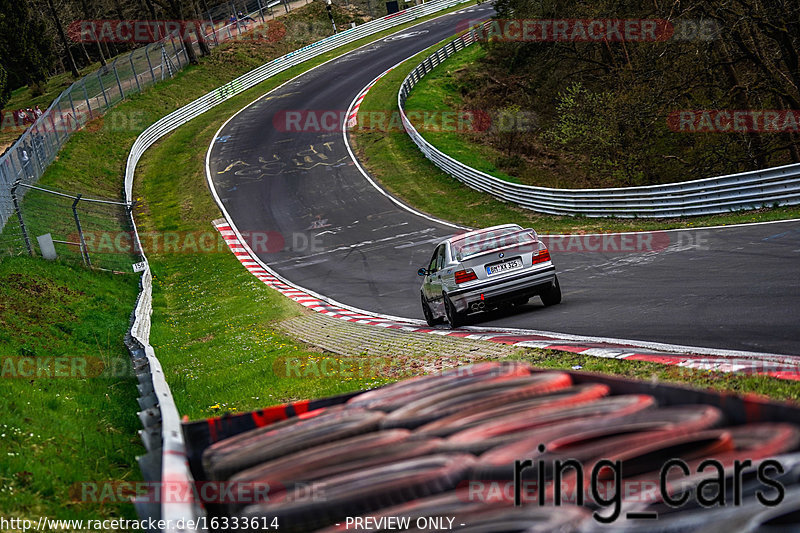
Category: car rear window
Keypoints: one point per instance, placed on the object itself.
(489, 240)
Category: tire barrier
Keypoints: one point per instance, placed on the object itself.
(488, 393)
(243, 452)
(401, 393)
(565, 437)
(576, 454)
(349, 495)
(461, 421)
(509, 428)
(339, 457)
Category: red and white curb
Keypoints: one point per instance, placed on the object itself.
(784, 368)
(352, 118)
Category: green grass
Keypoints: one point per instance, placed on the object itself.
(438, 92)
(401, 168)
(59, 431)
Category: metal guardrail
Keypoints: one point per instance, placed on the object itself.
(749, 190)
(166, 458)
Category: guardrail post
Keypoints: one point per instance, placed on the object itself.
(19, 216)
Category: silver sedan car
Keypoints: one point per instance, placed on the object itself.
(486, 269)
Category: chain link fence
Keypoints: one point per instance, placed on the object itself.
(87, 99)
(95, 232)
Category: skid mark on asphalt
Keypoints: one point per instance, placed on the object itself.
(619, 264)
(352, 247)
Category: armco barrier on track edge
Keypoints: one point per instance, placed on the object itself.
(721, 194)
(166, 460)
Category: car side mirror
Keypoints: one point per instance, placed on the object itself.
(422, 272)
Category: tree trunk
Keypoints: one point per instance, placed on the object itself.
(201, 38)
(73, 67)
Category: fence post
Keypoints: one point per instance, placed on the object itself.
(86, 94)
(4, 208)
(49, 115)
(176, 52)
(116, 75)
(74, 113)
(135, 75)
(102, 87)
(213, 30)
(19, 216)
(260, 11)
(149, 64)
(165, 62)
(137, 248)
(84, 251)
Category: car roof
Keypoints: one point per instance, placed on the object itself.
(483, 230)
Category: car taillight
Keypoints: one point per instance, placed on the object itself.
(544, 256)
(463, 276)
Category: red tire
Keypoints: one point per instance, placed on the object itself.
(477, 395)
(399, 394)
(568, 396)
(506, 430)
(224, 459)
(366, 491)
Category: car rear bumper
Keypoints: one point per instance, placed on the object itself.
(494, 292)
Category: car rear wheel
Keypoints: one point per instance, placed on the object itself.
(426, 310)
(455, 318)
(553, 295)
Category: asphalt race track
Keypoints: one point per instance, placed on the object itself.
(326, 228)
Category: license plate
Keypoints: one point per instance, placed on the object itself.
(504, 267)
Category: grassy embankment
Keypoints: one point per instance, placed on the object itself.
(399, 165)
